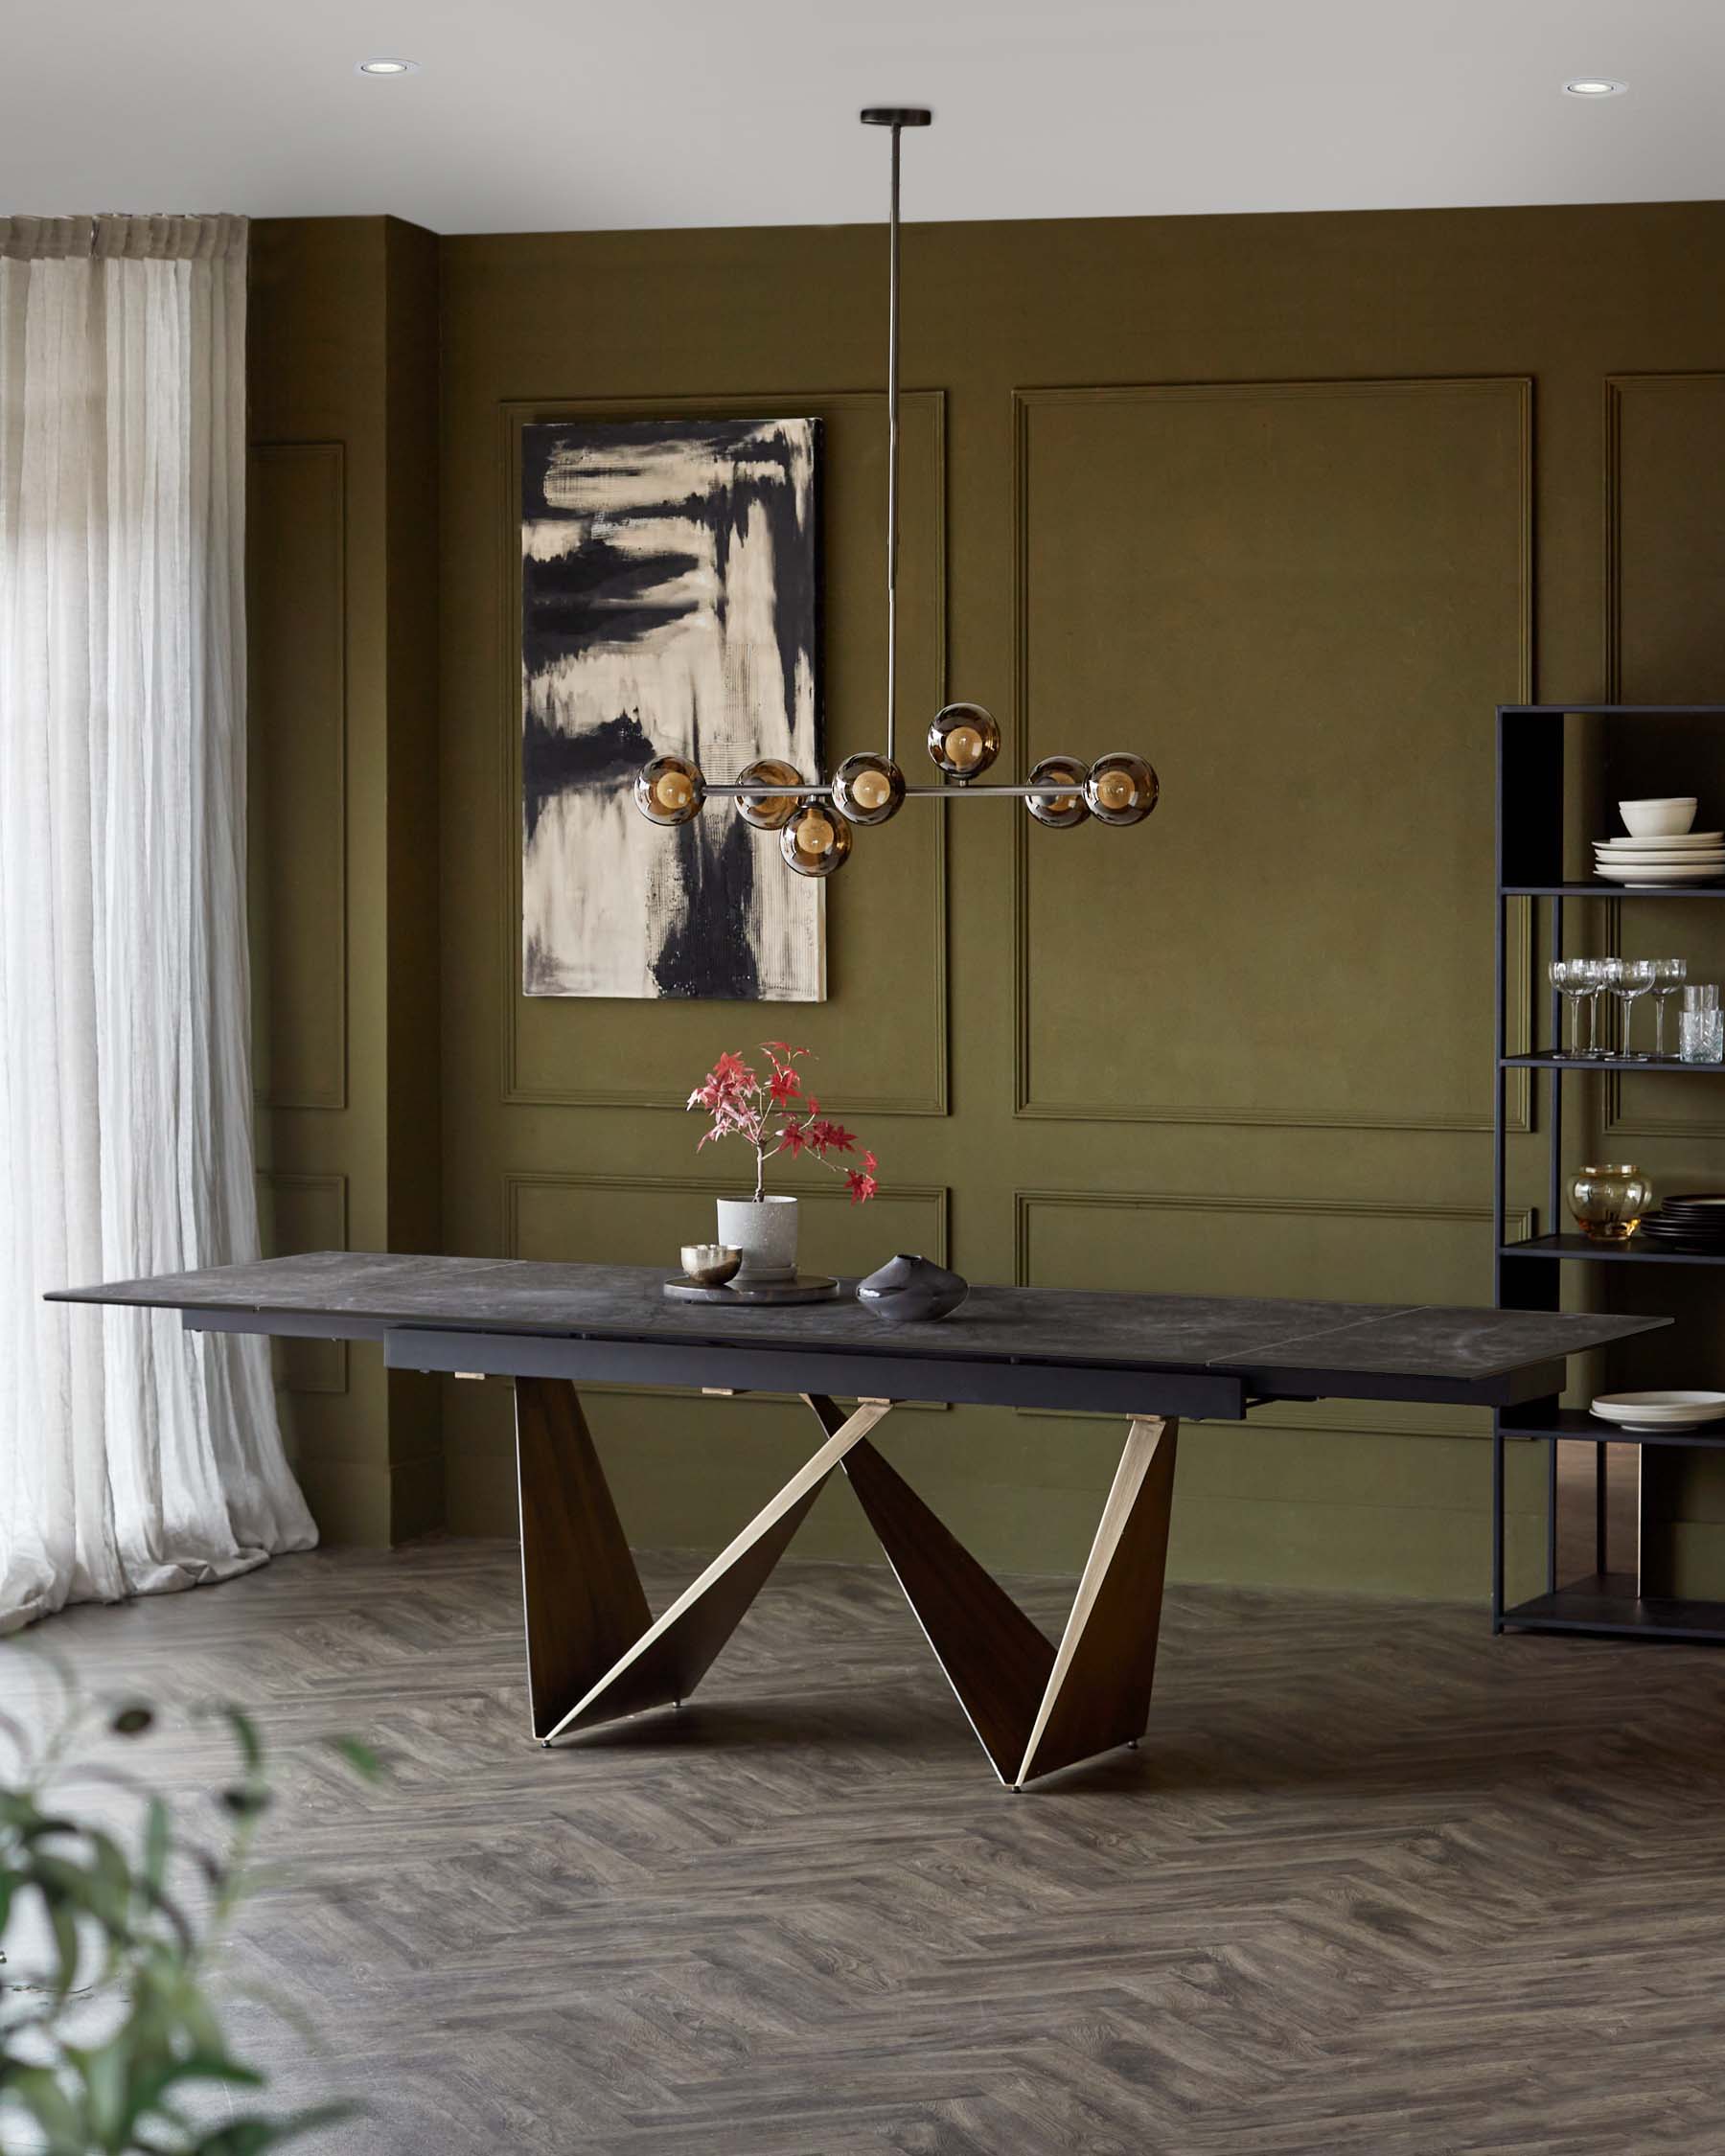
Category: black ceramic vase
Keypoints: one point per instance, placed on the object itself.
(906, 1289)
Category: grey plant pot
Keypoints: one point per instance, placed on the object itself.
(765, 1231)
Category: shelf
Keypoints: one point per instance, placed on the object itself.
(1547, 851)
(1585, 1063)
(1578, 1247)
(1603, 889)
(1583, 1428)
(1611, 710)
(1607, 1602)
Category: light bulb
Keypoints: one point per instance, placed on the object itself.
(1121, 789)
(670, 789)
(1059, 811)
(868, 788)
(816, 841)
(963, 740)
(773, 806)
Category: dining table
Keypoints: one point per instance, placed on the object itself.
(595, 1651)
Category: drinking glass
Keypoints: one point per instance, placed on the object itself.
(1701, 1024)
(1629, 980)
(1587, 979)
(1668, 977)
(1568, 976)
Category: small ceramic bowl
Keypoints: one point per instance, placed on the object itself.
(710, 1265)
(1668, 817)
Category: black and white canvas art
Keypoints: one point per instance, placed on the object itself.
(669, 580)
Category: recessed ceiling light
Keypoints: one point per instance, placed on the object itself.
(1594, 86)
(387, 67)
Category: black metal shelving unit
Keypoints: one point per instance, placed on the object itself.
(1531, 864)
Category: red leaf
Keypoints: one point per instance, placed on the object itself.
(731, 1075)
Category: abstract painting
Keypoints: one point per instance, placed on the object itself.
(668, 583)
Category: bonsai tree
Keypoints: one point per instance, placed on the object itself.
(775, 1115)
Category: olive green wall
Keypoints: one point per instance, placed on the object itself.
(343, 374)
(1289, 503)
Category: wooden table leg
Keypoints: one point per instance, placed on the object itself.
(995, 1659)
(1098, 1692)
(594, 1651)
(1035, 1707)
(581, 1593)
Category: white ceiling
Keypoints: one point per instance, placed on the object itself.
(545, 115)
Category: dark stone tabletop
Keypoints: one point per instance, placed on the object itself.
(363, 1295)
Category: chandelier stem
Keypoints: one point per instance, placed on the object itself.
(892, 458)
(897, 118)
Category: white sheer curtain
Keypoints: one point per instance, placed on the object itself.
(133, 1457)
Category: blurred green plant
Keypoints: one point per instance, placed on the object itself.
(108, 2025)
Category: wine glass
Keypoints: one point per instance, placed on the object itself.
(1586, 979)
(1668, 977)
(1569, 977)
(1629, 980)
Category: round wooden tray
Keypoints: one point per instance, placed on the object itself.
(807, 1287)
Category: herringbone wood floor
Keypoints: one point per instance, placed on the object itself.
(1376, 1883)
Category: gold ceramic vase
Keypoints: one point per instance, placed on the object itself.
(1609, 1202)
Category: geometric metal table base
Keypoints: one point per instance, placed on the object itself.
(595, 1652)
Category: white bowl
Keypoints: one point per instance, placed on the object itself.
(1665, 817)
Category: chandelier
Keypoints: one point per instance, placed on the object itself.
(815, 820)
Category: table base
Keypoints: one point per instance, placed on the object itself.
(595, 1652)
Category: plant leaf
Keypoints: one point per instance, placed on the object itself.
(246, 1736)
(246, 2137)
(106, 2072)
(38, 2090)
(155, 1845)
(363, 1760)
(63, 1923)
(15, 1732)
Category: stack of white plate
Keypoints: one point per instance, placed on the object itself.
(1696, 856)
(1652, 1411)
